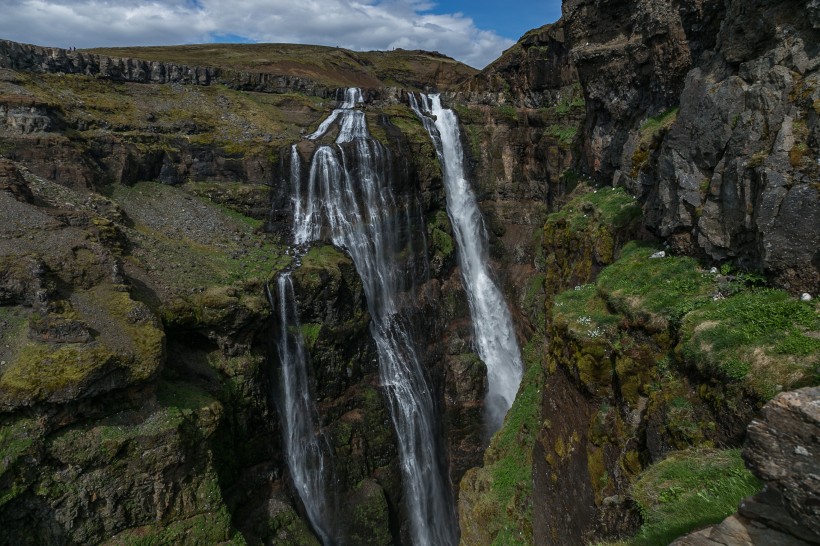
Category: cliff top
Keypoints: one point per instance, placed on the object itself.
(332, 66)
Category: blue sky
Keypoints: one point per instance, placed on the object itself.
(473, 32)
(510, 18)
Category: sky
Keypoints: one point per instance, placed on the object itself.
(474, 32)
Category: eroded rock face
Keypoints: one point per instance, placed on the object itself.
(632, 57)
(533, 73)
(707, 111)
(736, 175)
(782, 449)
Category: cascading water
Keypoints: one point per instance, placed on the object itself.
(492, 323)
(349, 191)
(308, 452)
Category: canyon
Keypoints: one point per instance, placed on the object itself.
(277, 294)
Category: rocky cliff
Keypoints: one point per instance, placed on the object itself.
(617, 156)
(628, 386)
(134, 313)
(706, 111)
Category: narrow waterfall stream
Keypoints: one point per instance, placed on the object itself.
(349, 192)
(308, 452)
(495, 338)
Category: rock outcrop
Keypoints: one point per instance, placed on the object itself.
(781, 449)
(706, 110)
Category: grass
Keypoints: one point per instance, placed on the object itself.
(648, 135)
(506, 504)
(152, 116)
(331, 66)
(655, 291)
(688, 490)
(614, 208)
(179, 405)
(564, 134)
(656, 124)
(763, 337)
(232, 252)
(585, 313)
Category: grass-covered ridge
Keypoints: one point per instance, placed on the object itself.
(500, 492)
(325, 65)
(760, 338)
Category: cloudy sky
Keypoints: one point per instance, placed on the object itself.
(474, 32)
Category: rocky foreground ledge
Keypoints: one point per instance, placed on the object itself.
(782, 449)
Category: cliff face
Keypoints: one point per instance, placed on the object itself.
(676, 99)
(706, 112)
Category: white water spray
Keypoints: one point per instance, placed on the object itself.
(307, 449)
(349, 192)
(492, 323)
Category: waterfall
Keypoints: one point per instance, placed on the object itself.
(308, 452)
(492, 323)
(349, 193)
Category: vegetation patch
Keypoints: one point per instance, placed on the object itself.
(762, 337)
(613, 208)
(585, 314)
(688, 490)
(440, 232)
(649, 136)
(564, 133)
(507, 504)
(654, 291)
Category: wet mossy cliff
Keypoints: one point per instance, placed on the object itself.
(146, 206)
(144, 213)
(660, 316)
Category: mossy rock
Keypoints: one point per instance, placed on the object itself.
(369, 522)
(128, 348)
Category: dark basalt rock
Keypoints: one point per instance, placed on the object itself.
(782, 449)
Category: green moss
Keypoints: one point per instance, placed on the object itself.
(206, 528)
(688, 490)
(654, 125)
(181, 409)
(321, 258)
(564, 133)
(440, 232)
(16, 437)
(310, 333)
(507, 113)
(39, 370)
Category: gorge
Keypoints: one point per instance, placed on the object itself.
(276, 294)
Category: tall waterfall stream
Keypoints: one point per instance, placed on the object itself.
(307, 449)
(492, 323)
(348, 194)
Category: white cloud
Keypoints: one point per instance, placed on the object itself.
(358, 25)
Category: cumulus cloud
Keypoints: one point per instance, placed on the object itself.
(359, 25)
